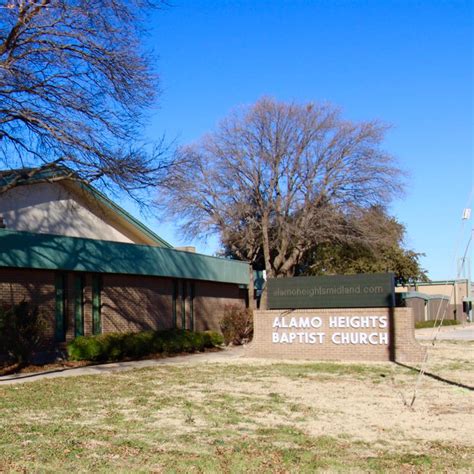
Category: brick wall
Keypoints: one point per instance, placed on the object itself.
(128, 302)
(211, 300)
(30, 285)
(405, 346)
(396, 341)
(136, 303)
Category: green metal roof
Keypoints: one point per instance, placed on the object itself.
(54, 252)
(416, 294)
(44, 175)
(440, 282)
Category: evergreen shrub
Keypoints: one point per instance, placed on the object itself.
(120, 346)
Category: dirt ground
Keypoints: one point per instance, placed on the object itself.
(226, 413)
(379, 409)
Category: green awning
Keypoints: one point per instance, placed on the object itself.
(57, 252)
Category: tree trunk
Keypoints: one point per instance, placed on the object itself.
(266, 248)
(288, 268)
(266, 257)
(251, 291)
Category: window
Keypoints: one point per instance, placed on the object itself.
(183, 304)
(60, 311)
(173, 303)
(191, 305)
(96, 304)
(78, 305)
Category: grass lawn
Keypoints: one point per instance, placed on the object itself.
(244, 416)
(432, 324)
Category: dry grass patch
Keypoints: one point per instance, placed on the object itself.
(242, 416)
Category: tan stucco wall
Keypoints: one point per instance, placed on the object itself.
(50, 208)
(441, 289)
(447, 290)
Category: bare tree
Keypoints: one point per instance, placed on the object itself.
(74, 85)
(275, 179)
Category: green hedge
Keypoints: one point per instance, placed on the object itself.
(119, 346)
(430, 324)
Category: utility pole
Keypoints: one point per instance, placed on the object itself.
(464, 265)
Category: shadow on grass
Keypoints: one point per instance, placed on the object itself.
(437, 377)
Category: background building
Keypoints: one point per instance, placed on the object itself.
(450, 299)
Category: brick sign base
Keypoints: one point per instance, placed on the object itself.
(369, 334)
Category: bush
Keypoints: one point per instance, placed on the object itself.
(119, 346)
(237, 325)
(431, 324)
(213, 339)
(21, 331)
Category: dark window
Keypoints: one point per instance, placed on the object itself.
(78, 305)
(175, 298)
(60, 312)
(96, 304)
(191, 305)
(183, 304)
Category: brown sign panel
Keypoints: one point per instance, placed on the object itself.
(374, 290)
(378, 334)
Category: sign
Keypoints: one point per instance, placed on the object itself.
(368, 334)
(353, 330)
(341, 291)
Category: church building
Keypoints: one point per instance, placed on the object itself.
(93, 268)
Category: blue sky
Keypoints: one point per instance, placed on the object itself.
(408, 63)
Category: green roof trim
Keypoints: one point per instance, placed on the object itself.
(416, 294)
(55, 252)
(6, 176)
(441, 282)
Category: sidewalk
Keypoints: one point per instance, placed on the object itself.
(463, 332)
(220, 356)
(456, 333)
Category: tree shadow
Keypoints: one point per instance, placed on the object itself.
(437, 377)
(137, 291)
